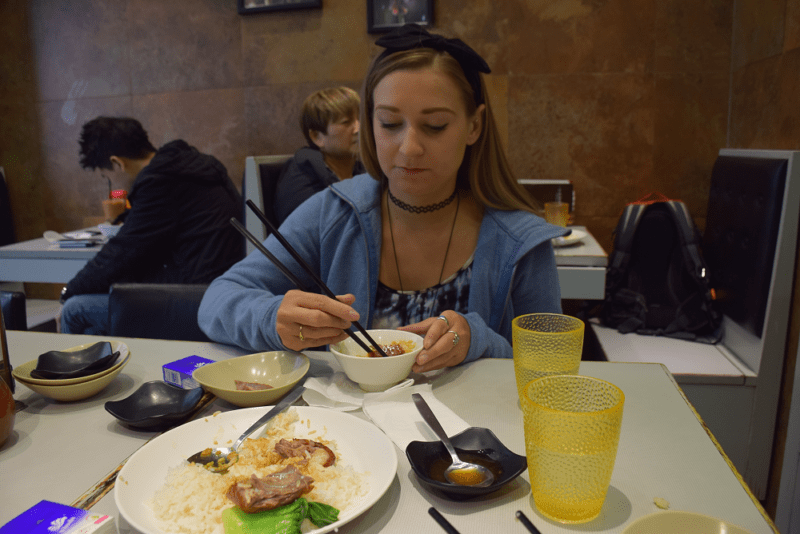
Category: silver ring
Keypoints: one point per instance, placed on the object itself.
(443, 318)
(301, 334)
(456, 338)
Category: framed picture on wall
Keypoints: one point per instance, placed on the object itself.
(384, 15)
(246, 7)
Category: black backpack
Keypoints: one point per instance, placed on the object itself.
(657, 280)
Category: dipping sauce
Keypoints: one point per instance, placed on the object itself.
(465, 477)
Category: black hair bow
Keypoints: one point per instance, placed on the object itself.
(411, 36)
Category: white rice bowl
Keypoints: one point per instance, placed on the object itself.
(192, 498)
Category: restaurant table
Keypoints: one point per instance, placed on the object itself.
(60, 451)
(39, 260)
(581, 267)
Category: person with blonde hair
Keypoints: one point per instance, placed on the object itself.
(329, 121)
(438, 238)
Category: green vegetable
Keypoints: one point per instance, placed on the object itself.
(322, 514)
(285, 519)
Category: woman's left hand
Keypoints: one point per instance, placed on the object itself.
(446, 342)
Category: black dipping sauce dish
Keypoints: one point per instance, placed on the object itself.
(429, 459)
(57, 364)
(155, 405)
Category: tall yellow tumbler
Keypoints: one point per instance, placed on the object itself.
(572, 429)
(545, 344)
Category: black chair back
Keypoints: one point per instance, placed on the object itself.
(14, 310)
(156, 311)
(261, 175)
(269, 174)
(741, 233)
(7, 235)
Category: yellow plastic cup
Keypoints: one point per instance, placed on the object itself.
(545, 344)
(572, 427)
(556, 213)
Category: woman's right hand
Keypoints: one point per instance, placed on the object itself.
(310, 320)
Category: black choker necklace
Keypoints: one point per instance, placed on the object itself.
(421, 209)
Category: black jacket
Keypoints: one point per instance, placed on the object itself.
(178, 228)
(304, 175)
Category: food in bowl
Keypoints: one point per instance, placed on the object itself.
(395, 348)
(281, 370)
(196, 500)
(250, 386)
(378, 374)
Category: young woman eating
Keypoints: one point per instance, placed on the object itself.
(437, 238)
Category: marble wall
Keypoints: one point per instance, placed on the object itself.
(624, 97)
(765, 77)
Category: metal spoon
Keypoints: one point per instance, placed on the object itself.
(460, 472)
(218, 460)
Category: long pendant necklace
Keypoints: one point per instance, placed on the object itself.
(447, 250)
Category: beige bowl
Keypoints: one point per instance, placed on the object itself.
(376, 374)
(23, 372)
(279, 369)
(78, 391)
(678, 522)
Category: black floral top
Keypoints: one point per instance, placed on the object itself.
(394, 308)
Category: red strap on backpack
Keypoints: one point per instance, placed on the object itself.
(652, 198)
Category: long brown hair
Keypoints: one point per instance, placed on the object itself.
(485, 171)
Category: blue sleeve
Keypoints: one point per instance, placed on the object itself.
(240, 307)
(534, 289)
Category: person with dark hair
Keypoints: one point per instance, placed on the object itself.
(105, 140)
(438, 239)
(177, 229)
(329, 122)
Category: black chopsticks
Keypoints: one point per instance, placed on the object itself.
(450, 529)
(306, 267)
(289, 274)
(299, 259)
(444, 523)
(527, 522)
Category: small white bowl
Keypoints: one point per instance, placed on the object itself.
(109, 230)
(376, 374)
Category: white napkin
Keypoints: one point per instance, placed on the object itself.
(396, 414)
(339, 392)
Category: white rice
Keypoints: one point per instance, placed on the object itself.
(193, 498)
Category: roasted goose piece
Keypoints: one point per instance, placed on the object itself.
(271, 491)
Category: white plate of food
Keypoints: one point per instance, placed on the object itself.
(575, 237)
(363, 455)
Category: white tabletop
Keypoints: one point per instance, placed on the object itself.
(585, 253)
(39, 260)
(664, 451)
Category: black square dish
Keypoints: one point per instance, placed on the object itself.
(155, 405)
(425, 455)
